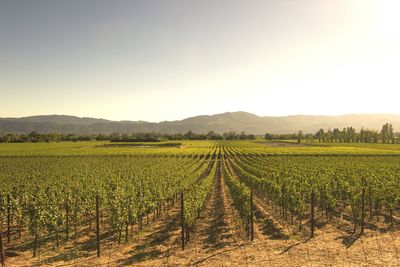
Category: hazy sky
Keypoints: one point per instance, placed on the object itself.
(164, 60)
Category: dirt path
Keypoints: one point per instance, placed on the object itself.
(217, 240)
(156, 245)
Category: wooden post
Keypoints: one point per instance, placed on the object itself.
(98, 225)
(66, 221)
(362, 204)
(182, 222)
(57, 236)
(251, 215)
(312, 212)
(126, 231)
(247, 227)
(8, 219)
(35, 245)
(140, 222)
(370, 202)
(2, 249)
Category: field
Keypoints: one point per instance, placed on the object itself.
(253, 203)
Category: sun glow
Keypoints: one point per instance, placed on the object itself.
(267, 57)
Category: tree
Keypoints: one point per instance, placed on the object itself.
(299, 137)
(387, 135)
(268, 136)
(336, 134)
(320, 135)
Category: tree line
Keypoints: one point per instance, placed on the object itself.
(35, 137)
(347, 135)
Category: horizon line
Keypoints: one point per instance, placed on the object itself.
(210, 115)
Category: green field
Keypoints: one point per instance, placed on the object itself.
(49, 190)
(95, 148)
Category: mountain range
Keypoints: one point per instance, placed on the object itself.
(224, 122)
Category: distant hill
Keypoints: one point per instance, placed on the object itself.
(225, 122)
(61, 119)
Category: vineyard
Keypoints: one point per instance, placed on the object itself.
(199, 203)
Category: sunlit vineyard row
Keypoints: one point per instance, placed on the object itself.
(186, 148)
(53, 190)
(362, 187)
(48, 194)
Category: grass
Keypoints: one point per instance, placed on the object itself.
(92, 148)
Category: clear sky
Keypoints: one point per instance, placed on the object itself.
(165, 60)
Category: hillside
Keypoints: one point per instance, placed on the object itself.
(225, 122)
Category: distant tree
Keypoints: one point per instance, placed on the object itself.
(231, 136)
(211, 135)
(387, 135)
(299, 137)
(268, 136)
(251, 137)
(320, 135)
(336, 134)
(188, 135)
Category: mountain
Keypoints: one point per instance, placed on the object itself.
(225, 122)
(61, 119)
